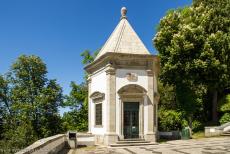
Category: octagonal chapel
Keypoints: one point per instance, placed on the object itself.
(122, 88)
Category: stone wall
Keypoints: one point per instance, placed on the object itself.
(172, 135)
(52, 144)
(217, 130)
(212, 131)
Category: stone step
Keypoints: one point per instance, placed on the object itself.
(132, 144)
(225, 134)
(134, 141)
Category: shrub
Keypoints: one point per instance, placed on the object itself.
(225, 118)
(224, 107)
(196, 125)
(170, 120)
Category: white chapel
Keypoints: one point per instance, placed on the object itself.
(122, 88)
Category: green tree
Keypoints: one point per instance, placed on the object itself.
(29, 103)
(193, 44)
(180, 107)
(77, 119)
(167, 96)
(5, 105)
(50, 99)
(88, 57)
(77, 100)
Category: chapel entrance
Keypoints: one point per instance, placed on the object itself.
(131, 120)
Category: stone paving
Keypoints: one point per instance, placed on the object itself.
(220, 145)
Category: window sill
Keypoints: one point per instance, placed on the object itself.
(98, 126)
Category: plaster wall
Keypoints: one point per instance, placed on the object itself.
(98, 83)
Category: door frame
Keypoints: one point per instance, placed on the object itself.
(134, 98)
(130, 116)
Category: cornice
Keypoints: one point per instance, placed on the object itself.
(122, 60)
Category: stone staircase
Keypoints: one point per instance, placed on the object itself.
(132, 142)
(226, 134)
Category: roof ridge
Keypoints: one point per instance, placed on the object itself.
(120, 36)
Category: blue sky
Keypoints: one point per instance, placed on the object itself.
(59, 30)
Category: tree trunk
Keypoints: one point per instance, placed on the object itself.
(214, 107)
(190, 124)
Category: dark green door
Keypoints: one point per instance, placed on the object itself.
(131, 120)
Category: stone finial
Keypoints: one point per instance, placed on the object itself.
(123, 12)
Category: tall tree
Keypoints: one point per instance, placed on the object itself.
(29, 101)
(194, 46)
(28, 77)
(77, 100)
(89, 57)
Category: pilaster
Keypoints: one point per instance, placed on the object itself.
(110, 135)
(150, 135)
(89, 104)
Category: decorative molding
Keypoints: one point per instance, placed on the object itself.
(97, 96)
(150, 72)
(110, 70)
(132, 77)
(89, 79)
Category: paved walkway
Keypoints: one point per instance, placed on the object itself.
(220, 145)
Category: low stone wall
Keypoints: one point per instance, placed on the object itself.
(49, 145)
(212, 131)
(172, 135)
(84, 139)
(226, 129)
(217, 130)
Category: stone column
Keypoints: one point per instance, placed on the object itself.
(110, 136)
(150, 135)
(89, 104)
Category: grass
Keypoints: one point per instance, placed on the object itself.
(162, 141)
(198, 135)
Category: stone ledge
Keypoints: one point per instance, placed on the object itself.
(212, 131)
(38, 145)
